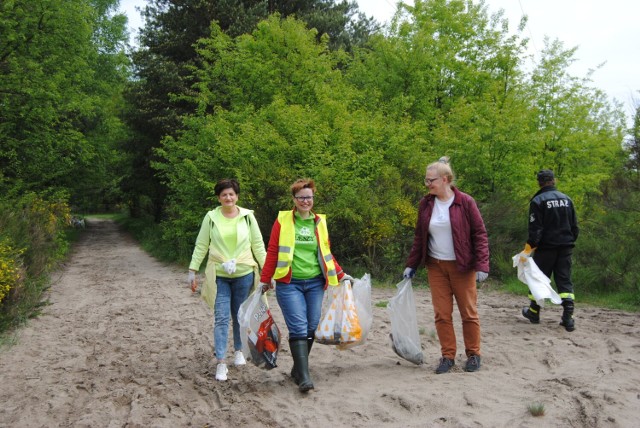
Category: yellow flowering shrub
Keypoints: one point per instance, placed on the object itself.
(9, 269)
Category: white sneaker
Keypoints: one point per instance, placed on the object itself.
(221, 372)
(239, 359)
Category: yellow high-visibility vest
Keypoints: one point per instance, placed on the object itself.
(287, 241)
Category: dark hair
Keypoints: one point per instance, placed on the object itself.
(545, 176)
(226, 184)
(302, 183)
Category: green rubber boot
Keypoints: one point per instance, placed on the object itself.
(300, 353)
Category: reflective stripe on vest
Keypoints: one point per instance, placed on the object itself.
(286, 244)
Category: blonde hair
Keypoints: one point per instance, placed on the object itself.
(441, 166)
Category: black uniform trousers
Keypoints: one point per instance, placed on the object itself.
(557, 261)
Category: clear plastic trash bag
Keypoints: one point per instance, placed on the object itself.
(258, 331)
(405, 337)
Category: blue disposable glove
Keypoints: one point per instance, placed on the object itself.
(409, 273)
(481, 276)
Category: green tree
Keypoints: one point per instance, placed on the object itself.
(576, 131)
(632, 144)
(288, 115)
(62, 67)
(166, 58)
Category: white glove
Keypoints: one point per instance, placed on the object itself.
(409, 273)
(192, 277)
(481, 276)
(230, 266)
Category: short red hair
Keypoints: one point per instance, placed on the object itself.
(302, 183)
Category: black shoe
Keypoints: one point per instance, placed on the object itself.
(567, 315)
(533, 317)
(568, 324)
(473, 364)
(444, 365)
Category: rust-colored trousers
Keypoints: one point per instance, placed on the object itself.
(446, 282)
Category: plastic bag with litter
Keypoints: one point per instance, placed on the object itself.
(405, 337)
(362, 297)
(259, 333)
(339, 325)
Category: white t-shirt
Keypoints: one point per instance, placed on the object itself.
(440, 236)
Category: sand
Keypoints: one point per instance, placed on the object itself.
(124, 343)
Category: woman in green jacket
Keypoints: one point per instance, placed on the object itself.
(231, 236)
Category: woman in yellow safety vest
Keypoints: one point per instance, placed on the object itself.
(299, 259)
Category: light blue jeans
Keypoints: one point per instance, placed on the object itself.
(232, 292)
(301, 305)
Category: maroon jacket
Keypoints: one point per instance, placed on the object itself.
(470, 241)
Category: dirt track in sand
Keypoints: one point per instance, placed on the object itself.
(124, 343)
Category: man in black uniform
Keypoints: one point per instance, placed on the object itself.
(553, 230)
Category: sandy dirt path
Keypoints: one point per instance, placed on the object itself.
(124, 343)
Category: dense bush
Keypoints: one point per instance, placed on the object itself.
(32, 240)
(9, 268)
(606, 255)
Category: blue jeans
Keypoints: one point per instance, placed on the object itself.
(232, 292)
(301, 305)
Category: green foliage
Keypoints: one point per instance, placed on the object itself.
(9, 267)
(32, 241)
(605, 256)
(169, 53)
(62, 66)
(577, 133)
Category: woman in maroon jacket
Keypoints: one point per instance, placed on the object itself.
(451, 240)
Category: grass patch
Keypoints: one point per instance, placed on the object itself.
(108, 216)
(536, 409)
(382, 304)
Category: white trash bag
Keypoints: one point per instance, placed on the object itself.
(539, 284)
(405, 337)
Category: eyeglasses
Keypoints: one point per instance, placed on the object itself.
(428, 181)
(304, 198)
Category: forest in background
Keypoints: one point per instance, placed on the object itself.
(270, 91)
